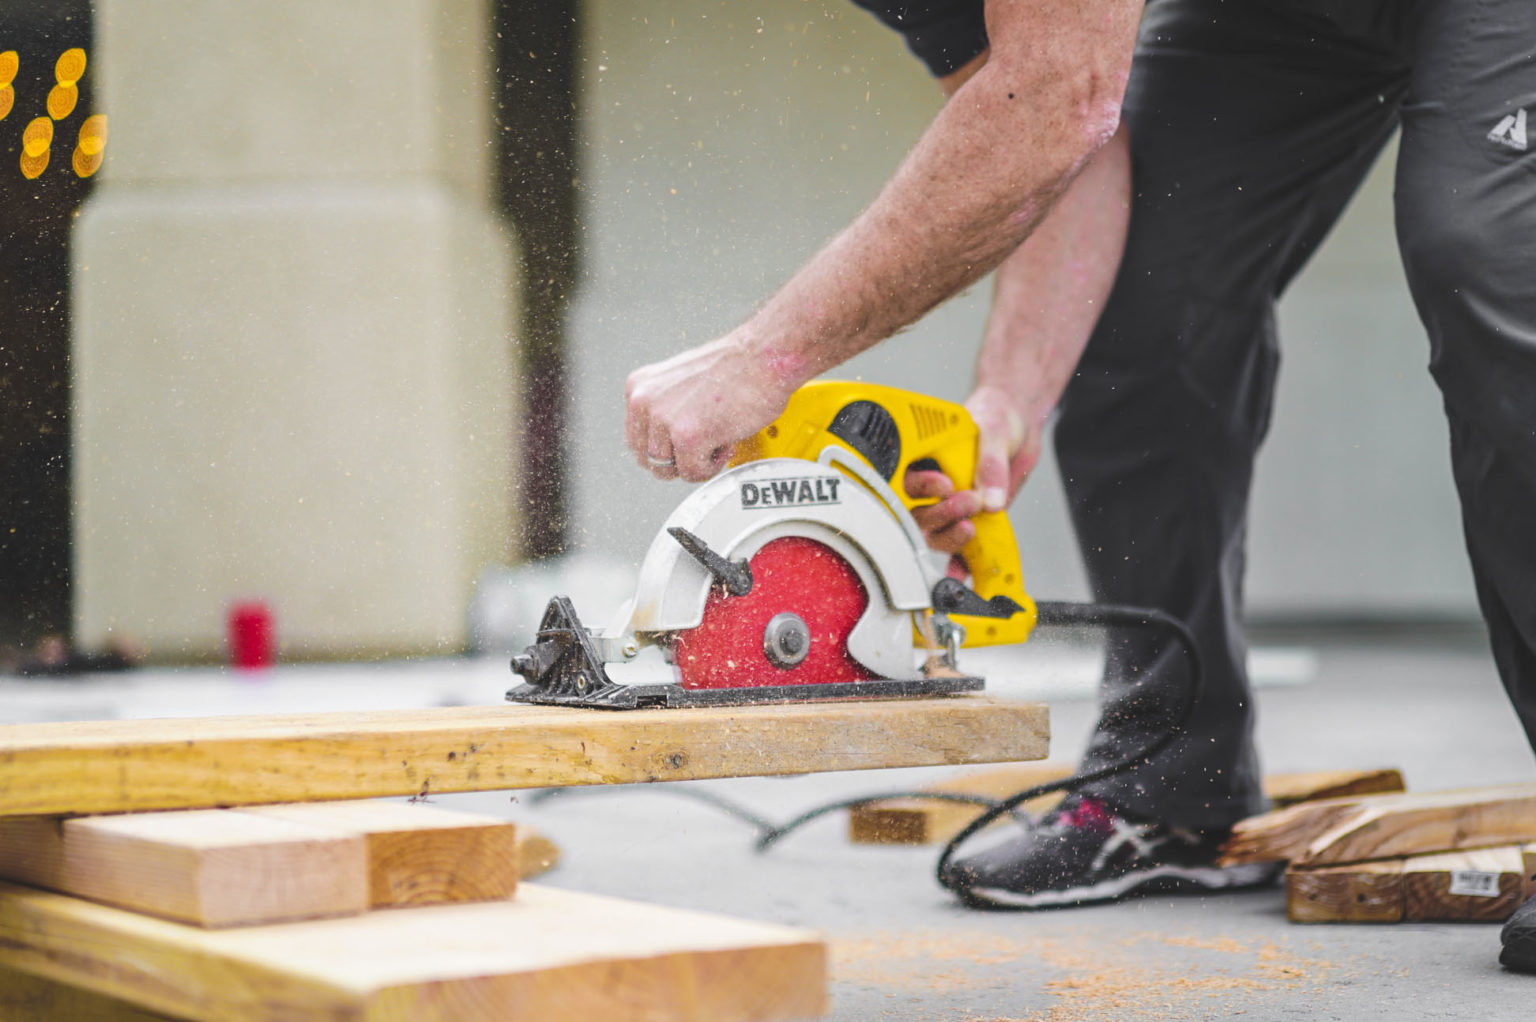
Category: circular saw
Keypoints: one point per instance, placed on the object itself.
(799, 573)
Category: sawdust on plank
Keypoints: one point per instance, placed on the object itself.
(1097, 979)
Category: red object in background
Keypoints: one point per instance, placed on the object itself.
(250, 634)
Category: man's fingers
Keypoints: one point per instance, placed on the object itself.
(952, 539)
(926, 483)
(946, 525)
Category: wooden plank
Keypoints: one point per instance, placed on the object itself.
(136, 765)
(547, 955)
(1362, 892)
(208, 867)
(919, 822)
(1289, 789)
(25, 998)
(417, 854)
(1482, 885)
(1386, 826)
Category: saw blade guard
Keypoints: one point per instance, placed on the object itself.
(835, 502)
(891, 430)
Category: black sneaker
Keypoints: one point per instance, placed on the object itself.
(1086, 852)
(1519, 939)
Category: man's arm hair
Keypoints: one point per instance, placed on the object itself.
(979, 180)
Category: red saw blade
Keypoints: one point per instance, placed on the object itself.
(790, 575)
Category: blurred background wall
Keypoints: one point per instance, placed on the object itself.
(292, 365)
(354, 298)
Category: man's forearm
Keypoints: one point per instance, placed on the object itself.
(981, 178)
(1050, 291)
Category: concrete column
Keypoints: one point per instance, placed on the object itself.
(294, 371)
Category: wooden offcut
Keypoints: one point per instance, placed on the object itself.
(1386, 826)
(546, 955)
(922, 821)
(135, 765)
(1363, 892)
(910, 821)
(1478, 885)
(1289, 789)
(417, 854)
(207, 867)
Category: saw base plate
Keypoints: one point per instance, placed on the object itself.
(634, 697)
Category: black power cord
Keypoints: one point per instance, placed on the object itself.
(1059, 613)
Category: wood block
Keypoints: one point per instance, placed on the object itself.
(208, 867)
(1289, 789)
(1528, 853)
(418, 854)
(547, 955)
(1386, 826)
(1363, 892)
(920, 822)
(25, 998)
(135, 765)
(1482, 885)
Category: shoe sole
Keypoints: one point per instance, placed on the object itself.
(1207, 878)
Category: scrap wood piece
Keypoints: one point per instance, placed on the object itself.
(921, 822)
(25, 998)
(135, 765)
(1289, 789)
(910, 821)
(207, 867)
(1386, 826)
(1479, 885)
(418, 854)
(547, 955)
(1362, 892)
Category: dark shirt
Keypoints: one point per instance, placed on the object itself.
(944, 34)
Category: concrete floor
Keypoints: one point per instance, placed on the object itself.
(902, 948)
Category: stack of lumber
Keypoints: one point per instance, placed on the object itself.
(925, 822)
(355, 910)
(214, 897)
(1463, 855)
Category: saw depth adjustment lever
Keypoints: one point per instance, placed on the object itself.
(951, 596)
(735, 577)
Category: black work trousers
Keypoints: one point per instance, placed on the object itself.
(1252, 122)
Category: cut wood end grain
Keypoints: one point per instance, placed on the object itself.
(418, 854)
